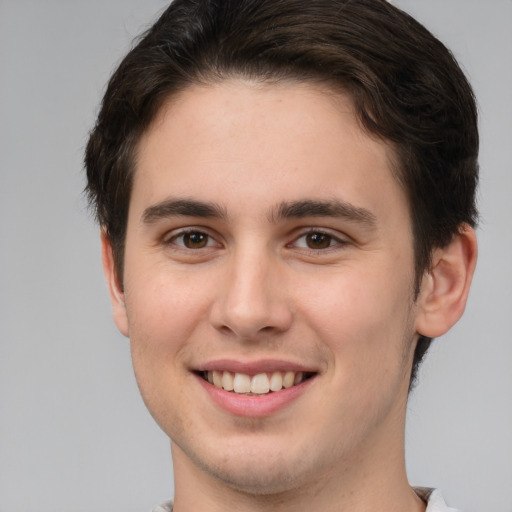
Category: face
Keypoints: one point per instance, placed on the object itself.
(269, 247)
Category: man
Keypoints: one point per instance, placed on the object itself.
(287, 198)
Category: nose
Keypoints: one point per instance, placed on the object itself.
(252, 299)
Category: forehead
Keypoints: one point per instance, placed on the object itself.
(249, 144)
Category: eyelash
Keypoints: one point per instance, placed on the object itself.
(188, 232)
(333, 241)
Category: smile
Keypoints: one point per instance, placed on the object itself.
(259, 384)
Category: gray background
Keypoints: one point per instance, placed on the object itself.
(74, 434)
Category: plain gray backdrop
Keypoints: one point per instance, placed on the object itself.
(74, 434)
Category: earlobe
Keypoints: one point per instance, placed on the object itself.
(114, 286)
(445, 287)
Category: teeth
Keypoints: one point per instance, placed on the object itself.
(288, 379)
(241, 383)
(227, 381)
(259, 384)
(217, 378)
(276, 382)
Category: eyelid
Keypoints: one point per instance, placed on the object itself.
(339, 239)
(171, 236)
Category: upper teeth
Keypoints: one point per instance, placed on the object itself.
(259, 384)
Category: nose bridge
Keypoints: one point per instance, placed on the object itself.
(250, 301)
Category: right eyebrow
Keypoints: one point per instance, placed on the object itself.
(182, 208)
(321, 208)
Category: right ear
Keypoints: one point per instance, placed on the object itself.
(115, 288)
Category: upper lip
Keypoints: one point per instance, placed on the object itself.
(254, 367)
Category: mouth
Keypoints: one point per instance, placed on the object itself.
(259, 384)
(255, 389)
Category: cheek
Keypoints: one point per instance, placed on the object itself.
(164, 308)
(163, 315)
(362, 317)
(354, 296)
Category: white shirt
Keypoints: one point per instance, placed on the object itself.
(435, 502)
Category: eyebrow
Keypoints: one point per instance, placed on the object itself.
(182, 207)
(330, 208)
(285, 210)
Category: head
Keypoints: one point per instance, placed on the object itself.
(405, 86)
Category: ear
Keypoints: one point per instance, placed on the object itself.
(444, 289)
(115, 288)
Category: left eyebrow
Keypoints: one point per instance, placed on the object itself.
(182, 208)
(330, 208)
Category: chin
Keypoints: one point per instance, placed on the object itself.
(259, 471)
(262, 481)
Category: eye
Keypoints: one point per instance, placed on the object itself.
(317, 240)
(192, 240)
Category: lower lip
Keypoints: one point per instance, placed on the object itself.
(254, 406)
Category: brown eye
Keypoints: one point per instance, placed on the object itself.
(193, 240)
(318, 240)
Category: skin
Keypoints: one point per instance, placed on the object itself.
(257, 287)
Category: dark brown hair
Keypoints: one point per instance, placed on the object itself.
(406, 86)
